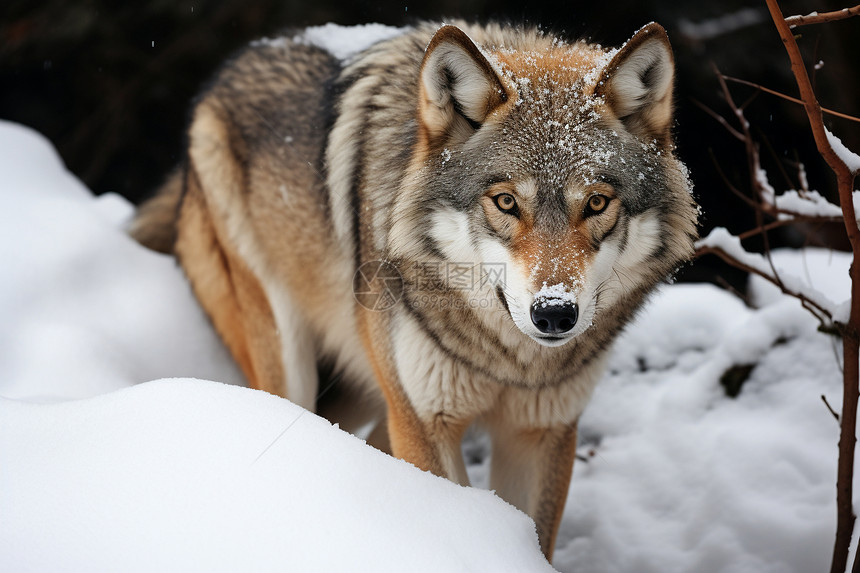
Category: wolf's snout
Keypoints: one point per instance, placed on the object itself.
(554, 316)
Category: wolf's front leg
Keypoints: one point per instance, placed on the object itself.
(430, 442)
(531, 468)
(417, 431)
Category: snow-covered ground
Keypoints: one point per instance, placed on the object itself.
(101, 469)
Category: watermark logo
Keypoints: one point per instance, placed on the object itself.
(492, 275)
(377, 285)
(456, 276)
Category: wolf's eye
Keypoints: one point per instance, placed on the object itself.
(506, 204)
(596, 204)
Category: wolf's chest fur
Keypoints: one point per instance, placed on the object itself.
(459, 219)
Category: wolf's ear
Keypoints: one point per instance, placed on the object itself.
(637, 84)
(458, 88)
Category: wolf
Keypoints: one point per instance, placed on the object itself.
(449, 227)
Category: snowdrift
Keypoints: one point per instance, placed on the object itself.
(186, 475)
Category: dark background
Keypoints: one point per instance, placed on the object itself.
(110, 86)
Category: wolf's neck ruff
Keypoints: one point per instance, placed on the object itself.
(460, 218)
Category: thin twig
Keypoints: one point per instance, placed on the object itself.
(832, 411)
(795, 218)
(789, 98)
(720, 119)
(748, 101)
(727, 285)
(752, 204)
(764, 229)
(777, 160)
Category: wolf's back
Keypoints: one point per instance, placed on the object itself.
(276, 96)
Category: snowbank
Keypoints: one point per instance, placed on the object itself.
(683, 478)
(185, 475)
(85, 310)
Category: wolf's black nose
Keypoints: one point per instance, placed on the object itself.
(554, 316)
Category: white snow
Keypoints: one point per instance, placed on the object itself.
(103, 471)
(185, 475)
(765, 188)
(557, 294)
(340, 41)
(345, 41)
(84, 309)
(809, 204)
(851, 159)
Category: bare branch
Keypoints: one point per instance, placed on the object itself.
(816, 18)
(851, 330)
(822, 314)
(813, 111)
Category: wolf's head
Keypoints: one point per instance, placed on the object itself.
(555, 161)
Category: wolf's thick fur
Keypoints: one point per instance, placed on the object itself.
(444, 152)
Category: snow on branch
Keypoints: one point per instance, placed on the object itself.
(796, 205)
(792, 204)
(728, 247)
(848, 157)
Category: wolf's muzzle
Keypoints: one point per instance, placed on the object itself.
(554, 316)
